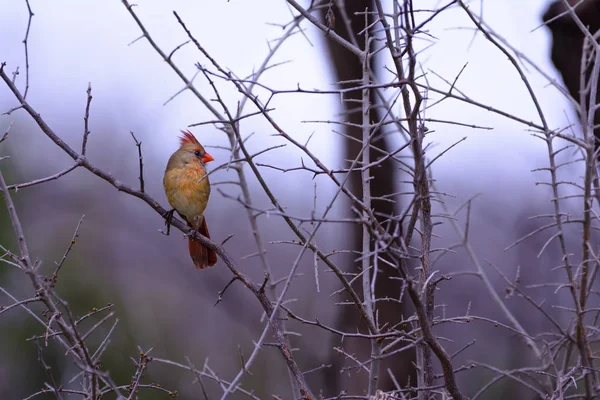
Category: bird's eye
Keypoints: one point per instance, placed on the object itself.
(197, 153)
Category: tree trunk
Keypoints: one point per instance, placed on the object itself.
(347, 67)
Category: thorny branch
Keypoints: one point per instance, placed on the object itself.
(70, 337)
(395, 243)
(229, 262)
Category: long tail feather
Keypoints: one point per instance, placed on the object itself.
(202, 256)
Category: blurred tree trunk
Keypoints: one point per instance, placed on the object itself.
(567, 45)
(347, 67)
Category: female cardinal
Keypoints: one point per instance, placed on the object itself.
(187, 189)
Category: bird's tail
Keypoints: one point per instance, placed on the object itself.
(202, 256)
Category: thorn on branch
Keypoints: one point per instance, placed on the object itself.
(135, 40)
(5, 135)
(227, 238)
(264, 284)
(243, 361)
(14, 74)
(69, 248)
(177, 48)
(222, 292)
(440, 279)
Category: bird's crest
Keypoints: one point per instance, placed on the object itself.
(188, 138)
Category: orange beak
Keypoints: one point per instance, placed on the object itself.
(207, 158)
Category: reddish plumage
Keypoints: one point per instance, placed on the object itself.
(188, 189)
(188, 138)
(202, 256)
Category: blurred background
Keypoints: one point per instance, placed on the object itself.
(161, 300)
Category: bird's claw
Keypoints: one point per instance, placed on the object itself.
(191, 233)
(168, 218)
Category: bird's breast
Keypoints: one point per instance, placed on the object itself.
(187, 190)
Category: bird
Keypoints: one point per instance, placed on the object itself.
(187, 188)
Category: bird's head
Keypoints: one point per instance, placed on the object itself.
(191, 150)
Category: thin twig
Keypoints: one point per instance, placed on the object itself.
(86, 119)
(141, 161)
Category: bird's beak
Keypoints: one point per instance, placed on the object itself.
(207, 158)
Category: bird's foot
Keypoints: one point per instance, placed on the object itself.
(191, 233)
(168, 218)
